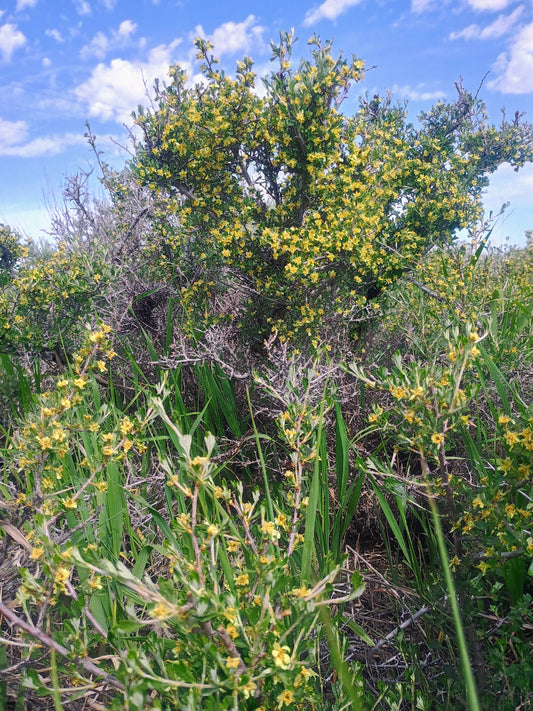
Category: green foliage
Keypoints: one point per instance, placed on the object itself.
(174, 536)
(11, 251)
(306, 213)
(44, 305)
(231, 617)
(458, 399)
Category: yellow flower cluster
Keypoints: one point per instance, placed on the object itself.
(314, 211)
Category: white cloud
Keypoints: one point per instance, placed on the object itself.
(14, 141)
(126, 28)
(114, 90)
(43, 146)
(10, 39)
(54, 34)
(491, 5)
(109, 4)
(417, 94)
(329, 10)
(421, 5)
(83, 7)
(508, 185)
(501, 26)
(21, 4)
(47, 62)
(516, 66)
(232, 37)
(12, 132)
(101, 44)
(97, 47)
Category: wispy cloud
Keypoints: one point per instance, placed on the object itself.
(328, 10)
(82, 7)
(423, 5)
(501, 26)
(232, 37)
(14, 141)
(114, 90)
(101, 44)
(418, 93)
(492, 5)
(55, 34)
(515, 67)
(21, 4)
(11, 39)
(45, 146)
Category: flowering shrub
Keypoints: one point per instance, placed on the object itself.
(227, 619)
(308, 213)
(151, 570)
(47, 299)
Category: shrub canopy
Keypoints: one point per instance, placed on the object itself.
(310, 212)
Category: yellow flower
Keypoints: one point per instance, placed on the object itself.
(232, 631)
(437, 438)
(242, 579)
(511, 438)
(70, 503)
(199, 461)
(230, 613)
(510, 510)
(36, 553)
(95, 583)
(285, 698)
(248, 689)
(61, 577)
(233, 662)
(505, 465)
(126, 425)
(212, 530)
(161, 611)
(483, 567)
(281, 520)
(45, 442)
(58, 434)
(268, 529)
(281, 656)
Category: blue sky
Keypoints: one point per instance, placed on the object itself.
(63, 62)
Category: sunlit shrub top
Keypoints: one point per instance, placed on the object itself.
(45, 301)
(312, 212)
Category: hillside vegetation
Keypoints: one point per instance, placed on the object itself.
(266, 422)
